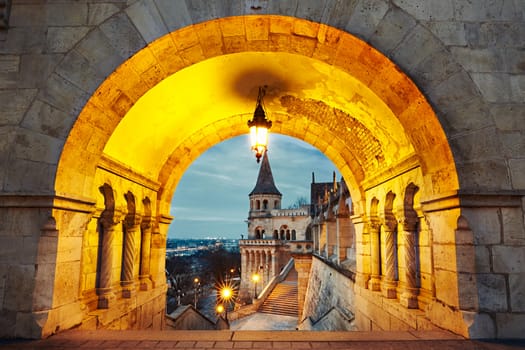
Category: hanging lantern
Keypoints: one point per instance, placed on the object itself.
(259, 126)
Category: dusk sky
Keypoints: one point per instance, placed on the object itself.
(211, 200)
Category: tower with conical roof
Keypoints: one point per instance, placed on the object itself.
(264, 198)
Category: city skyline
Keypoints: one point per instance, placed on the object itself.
(211, 199)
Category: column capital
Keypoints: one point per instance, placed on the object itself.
(109, 218)
(408, 223)
(132, 220)
(389, 221)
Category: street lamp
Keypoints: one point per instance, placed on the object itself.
(196, 284)
(226, 293)
(259, 126)
(255, 279)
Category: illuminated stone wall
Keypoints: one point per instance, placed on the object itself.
(438, 85)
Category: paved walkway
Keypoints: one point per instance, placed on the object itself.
(267, 322)
(296, 340)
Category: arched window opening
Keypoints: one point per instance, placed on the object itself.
(265, 204)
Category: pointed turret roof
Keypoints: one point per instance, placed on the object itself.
(265, 184)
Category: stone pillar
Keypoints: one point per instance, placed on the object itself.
(389, 277)
(131, 225)
(145, 254)
(408, 297)
(375, 254)
(362, 239)
(244, 295)
(337, 250)
(323, 245)
(267, 266)
(275, 263)
(109, 220)
(303, 263)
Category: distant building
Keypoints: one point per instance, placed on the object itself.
(270, 227)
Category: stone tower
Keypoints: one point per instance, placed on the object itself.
(266, 252)
(263, 198)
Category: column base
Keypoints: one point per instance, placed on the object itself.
(408, 298)
(389, 289)
(104, 298)
(362, 279)
(375, 283)
(145, 282)
(127, 289)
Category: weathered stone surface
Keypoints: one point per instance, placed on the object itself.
(517, 169)
(517, 292)
(97, 49)
(486, 10)
(449, 32)
(392, 29)
(496, 34)
(438, 11)
(485, 224)
(366, 17)
(45, 119)
(480, 60)
(486, 175)
(147, 20)
(174, 13)
(427, 45)
(63, 95)
(35, 69)
(122, 35)
(99, 12)
(508, 259)
(24, 40)
(70, 14)
(510, 325)
(76, 69)
(508, 117)
(495, 87)
(492, 292)
(15, 104)
(513, 144)
(27, 176)
(62, 39)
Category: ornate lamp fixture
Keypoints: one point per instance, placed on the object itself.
(259, 126)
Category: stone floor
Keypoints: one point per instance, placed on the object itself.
(296, 340)
(268, 322)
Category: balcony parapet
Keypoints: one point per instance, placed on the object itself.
(260, 242)
(300, 247)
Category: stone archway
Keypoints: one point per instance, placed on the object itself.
(55, 159)
(192, 88)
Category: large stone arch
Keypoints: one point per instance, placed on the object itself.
(58, 81)
(274, 34)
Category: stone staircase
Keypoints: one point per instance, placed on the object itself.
(283, 298)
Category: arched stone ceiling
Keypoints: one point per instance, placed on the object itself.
(195, 87)
(299, 90)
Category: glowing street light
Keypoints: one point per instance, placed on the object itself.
(255, 279)
(196, 284)
(259, 126)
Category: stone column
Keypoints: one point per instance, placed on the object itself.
(389, 276)
(408, 297)
(267, 266)
(303, 263)
(275, 263)
(108, 222)
(362, 251)
(132, 225)
(375, 254)
(145, 253)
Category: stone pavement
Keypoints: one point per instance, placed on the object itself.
(268, 322)
(142, 340)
